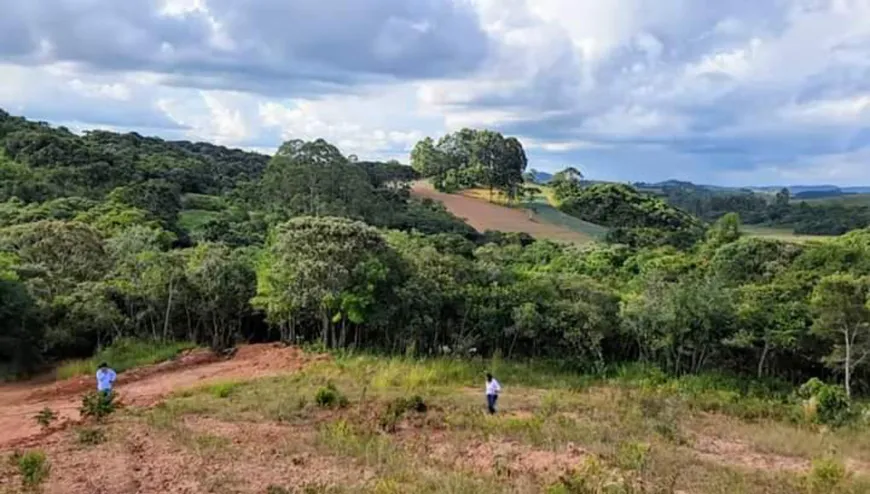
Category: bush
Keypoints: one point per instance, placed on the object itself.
(45, 417)
(34, 468)
(98, 405)
(825, 403)
(827, 475)
(90, 436)
(330, 397)
(396, 410)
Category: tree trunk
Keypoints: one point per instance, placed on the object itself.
(762, 359)
(324, 321)
(168, 311)
(848, 364)
(343, 338)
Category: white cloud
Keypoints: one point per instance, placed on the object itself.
(846, 111)
(739, 91)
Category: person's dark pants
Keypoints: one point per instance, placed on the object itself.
(490, 403)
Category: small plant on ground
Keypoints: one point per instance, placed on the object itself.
(632, 456)
(330, 397)
(98, 405)
(34, 468)
(90, 436)
(45, 417)
(397, 408)
(223, 390)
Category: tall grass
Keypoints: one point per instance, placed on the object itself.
(124, 354)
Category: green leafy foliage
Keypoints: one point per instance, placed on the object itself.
(97, 405)
(330, 397)
(470, 158)
(825, 403)
(34, 468)
(397, 408)
(635, 219)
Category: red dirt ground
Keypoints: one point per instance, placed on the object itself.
(20, 402)
(482, 216)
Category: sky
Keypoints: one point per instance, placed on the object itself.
(731, 92)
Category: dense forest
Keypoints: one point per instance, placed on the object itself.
(97, 242)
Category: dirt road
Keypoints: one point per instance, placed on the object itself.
(483, 215)
(20, 402)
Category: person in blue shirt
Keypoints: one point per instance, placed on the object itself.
(105, 379)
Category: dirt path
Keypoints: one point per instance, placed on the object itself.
(482, 216)
(19, 403)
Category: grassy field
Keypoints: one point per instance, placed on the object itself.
(394, 425)
(123, 355)
(785, 234)
(190, 219)
(847, 199)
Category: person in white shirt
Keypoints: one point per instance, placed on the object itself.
(105, 379)
(493, 388)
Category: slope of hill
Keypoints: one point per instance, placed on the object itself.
(483, 215)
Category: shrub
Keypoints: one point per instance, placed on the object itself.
(45, 417)
(396, 410)
(90, 436)
(34, 468)
(827, 475)
(330, 397)
(98, 405)
(825, 403)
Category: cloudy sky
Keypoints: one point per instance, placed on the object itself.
(732, 92)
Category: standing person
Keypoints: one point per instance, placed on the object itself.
(105, 379)
(493, 388)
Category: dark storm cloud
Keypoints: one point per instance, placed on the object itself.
(272, 46)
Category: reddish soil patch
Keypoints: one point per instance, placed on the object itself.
(736, 453)
(140, 460)
(143, 387)
(482, 216)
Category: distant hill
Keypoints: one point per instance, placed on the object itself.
(798, 191)
(538, 176)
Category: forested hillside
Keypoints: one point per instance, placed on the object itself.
(310, 246)
(801, 212)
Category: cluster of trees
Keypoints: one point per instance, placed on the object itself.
(781, 209)
(322, 248)
(472, 158)
(633, 218)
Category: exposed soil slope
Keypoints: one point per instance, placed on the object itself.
(20, 402)
(483, 215)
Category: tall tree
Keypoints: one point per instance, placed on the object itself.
(840, 304)
(318, 266)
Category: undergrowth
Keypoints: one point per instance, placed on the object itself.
(122, 355)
